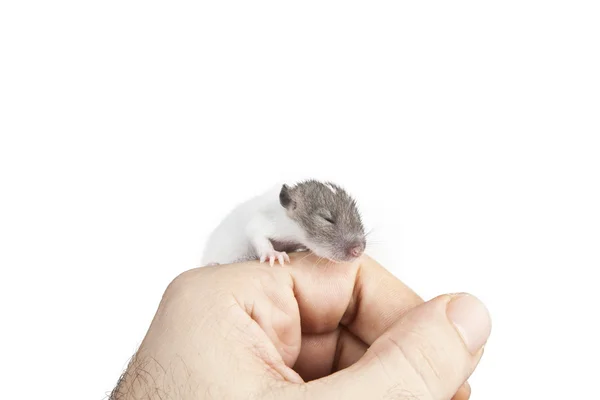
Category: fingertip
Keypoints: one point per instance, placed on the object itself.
(463, 393)
(471, 319)
(467, 389)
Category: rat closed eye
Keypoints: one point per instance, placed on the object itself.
(328, 219)
(327, 216)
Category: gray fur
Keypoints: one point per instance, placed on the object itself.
(311, 204)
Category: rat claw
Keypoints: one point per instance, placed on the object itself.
(275, 257)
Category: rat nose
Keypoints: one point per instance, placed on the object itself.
(355, 249)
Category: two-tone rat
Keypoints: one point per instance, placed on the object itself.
(318, 216)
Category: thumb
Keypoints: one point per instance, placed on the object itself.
(426, 355)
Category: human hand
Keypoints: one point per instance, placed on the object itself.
(348, 331)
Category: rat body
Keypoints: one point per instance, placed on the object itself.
(318, 216)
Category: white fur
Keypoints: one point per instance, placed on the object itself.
(244, 234)
(330, 187)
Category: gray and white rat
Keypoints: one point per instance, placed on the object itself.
(311, 215)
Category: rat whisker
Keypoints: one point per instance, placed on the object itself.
(309, 253)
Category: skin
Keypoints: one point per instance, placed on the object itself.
(308, 331)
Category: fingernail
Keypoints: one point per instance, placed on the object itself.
(471, 319)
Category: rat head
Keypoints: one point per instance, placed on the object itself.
(329, 218)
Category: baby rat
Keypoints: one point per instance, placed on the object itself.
(318, 216)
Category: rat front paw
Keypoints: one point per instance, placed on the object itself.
(275, 255)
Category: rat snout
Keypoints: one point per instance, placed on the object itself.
(355, 249)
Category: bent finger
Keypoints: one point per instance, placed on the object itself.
(314, 362)
(364, 296)
(378, 300)
(428, 354)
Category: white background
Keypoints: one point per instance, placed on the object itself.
(468, 131)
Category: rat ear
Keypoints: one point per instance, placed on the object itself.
(285, 198)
